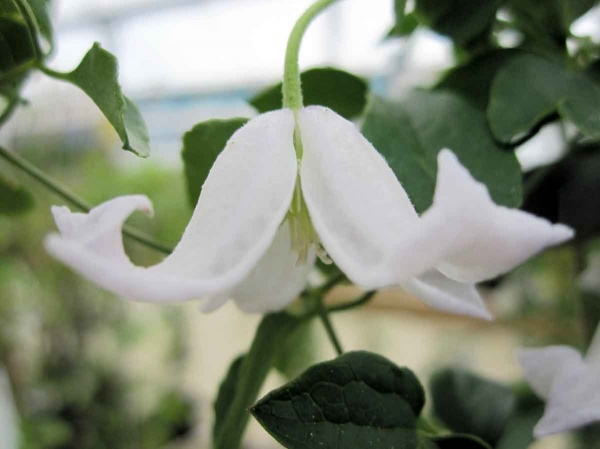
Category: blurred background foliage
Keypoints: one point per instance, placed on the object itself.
(501, 78)
(64, 343)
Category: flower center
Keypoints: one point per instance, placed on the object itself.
(302, 232)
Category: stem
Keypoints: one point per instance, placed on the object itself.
(324, 316)
(53, 73)
(332, 282)
(14, 73)
(76, 201)
(531, 133)
(32, 27)
(292, 91)
(365, 298)
(273, 330)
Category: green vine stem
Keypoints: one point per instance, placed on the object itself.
(32, 27)
(360, 301)
(328, 325)
(76, 201)
(292, 89)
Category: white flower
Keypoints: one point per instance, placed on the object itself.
(259, 200)
(568, 382)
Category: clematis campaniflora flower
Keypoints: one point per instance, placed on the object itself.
(291, 184)
(568, 382)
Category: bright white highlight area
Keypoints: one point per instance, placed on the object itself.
(182, 45)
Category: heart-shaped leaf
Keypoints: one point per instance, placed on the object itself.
(97, 76)
(357, 400)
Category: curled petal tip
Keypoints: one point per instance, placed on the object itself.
(562, 233)
(447, 155)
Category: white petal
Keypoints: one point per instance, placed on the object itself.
(491, 239)
(443, 293)
(243, 202)
(593, 353)
(356, 204)
(465, 235)
(574, 400)
(100, 229)
(276, 280)
(542, 366)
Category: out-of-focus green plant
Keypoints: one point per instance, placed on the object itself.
(69, 395)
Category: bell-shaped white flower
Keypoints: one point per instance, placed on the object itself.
(259, 201)
(568, 382)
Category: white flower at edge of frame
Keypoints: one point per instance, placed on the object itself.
(235, 244)
(568, 382)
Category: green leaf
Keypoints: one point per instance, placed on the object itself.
(462, 20)
(340, 91)
(548, 20)
(518, 433)
(357, 400)
(405, 28)
(299, 352)
(404, 23)
(410, 133)
(568, 191)
(41, 12)
(467, 403)
(272, 333)
(14, 199)
(15, 46)
(97, 76)
(473, 80)
(530, 88)
(519, 430)
(590, 303)
(460, 442)
(201, 146)
(226, 394)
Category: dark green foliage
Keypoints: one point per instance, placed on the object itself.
(405, 23)
(97, 76)
(568, 191)
(358, 400)
(244, 383)
(299, 352)
(411, 132)
(226, 394)
(462, 20)
(460, 442)
(530, 88)
(518, 433)
(340, 91)
(473, 79)
(14, 199)
(470, 404)
(201, 146)
(546, 24)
